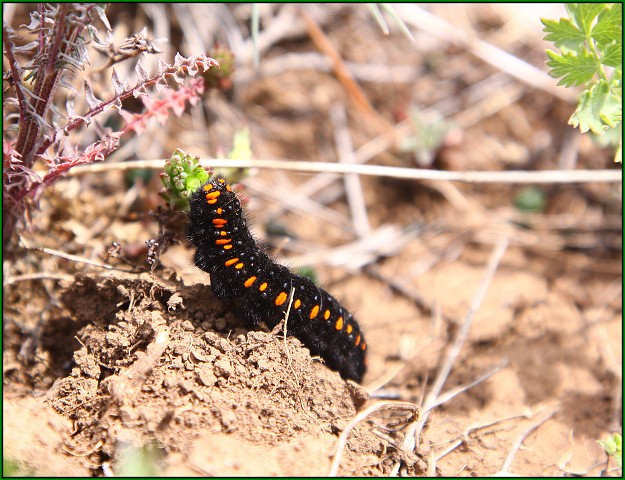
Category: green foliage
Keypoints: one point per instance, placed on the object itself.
(183, 175)
(591, 51)
(613, 446)
(13, 468)
(530, 199)
(241, 149)
(138, 462)
(427, 135)
(309, 273)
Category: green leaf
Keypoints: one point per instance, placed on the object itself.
(531, 199)
(309, 273)
(613, 55)
(574, 69)
(138, 462)
(618, 156)
(609, 26)
(564, 34)
(241, 145)
(611, 112)
(584, 14)
(590, 40)
(613, 446)
(597, 110)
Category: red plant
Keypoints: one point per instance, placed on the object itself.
(39, 136)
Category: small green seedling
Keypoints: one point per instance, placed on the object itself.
(530, 199)
(613, 446)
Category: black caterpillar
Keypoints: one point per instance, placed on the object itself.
(240, 270)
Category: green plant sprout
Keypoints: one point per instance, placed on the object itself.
(241, 149)
(138, 461)
(613, 446)
(530, 199)
(183, 175)
(590, 42)
(426, 137)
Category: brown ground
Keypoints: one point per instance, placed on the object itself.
(97, 361)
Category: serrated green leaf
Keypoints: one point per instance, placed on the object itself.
(612, 111)
(574, 69)
(609, 25)
(584, 117)
(613, 55)
(564, 34)
(597, 110)
(611, 137)
(584, 14)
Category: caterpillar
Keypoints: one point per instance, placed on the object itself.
(241, 272)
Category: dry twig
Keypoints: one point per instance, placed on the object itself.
(414, 410)
(507, 177)
(342, 73)
(353, 187)
(505, 468)
(410, 440)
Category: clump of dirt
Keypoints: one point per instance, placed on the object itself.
(162, 362)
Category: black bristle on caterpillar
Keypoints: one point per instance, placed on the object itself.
(239, 270)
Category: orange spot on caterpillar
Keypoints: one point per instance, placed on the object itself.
(219, 222)
(222, 241)
(297, 303)
(326, 314)
(208, 187)
(363, 347)
(232, 261)
(339, 324)
(249, 282)
(220, 211)
(212, 195)
(263, 286)
(221, 180)
(314, 312)
(212, 202)
(223, 234)
(280, 299)
(239, 266)
(349, 329)
(357, 342)
(227, 247)
(228, 188)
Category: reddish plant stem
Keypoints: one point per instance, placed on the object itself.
(105, 105)
(10, 54)
(45, 84)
